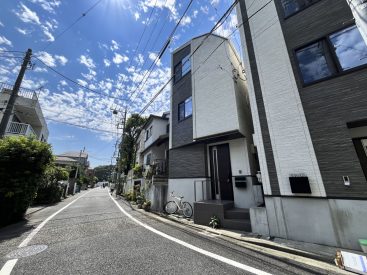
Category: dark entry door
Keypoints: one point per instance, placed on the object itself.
(221, 174)
(361, 147)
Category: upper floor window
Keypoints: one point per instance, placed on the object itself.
(185, 109)
(148, 132)
(293, 6)
(182, 68)
(332, 55)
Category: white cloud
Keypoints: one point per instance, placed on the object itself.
(115, 45)
(214, 2)
(63, 83)
(47, 58)
(161, 4)
(82, 82)
(153, 57)
(48, 34)
(227, 28)
(87, 61)
(204, 9)
(48, 5)
(139, 59)
(22, 31)
(186, 20)
(1, 24)
(137, 16)
(91, 75)
(5, 41)
(118, 58)
(62, 59)
(27, 15)
(106, 62)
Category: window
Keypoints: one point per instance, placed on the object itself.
(185, 109)
(332, 55)
(182, 68)
(291, 7)
(147, 162)
(148, 133)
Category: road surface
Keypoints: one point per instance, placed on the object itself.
(97, 234)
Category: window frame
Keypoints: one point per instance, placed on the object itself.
(184, 109)
(335, 60)
(179, 67)
(286, 17)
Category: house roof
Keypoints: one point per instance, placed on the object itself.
(160, 140)
(151, 117)
(74, 154)
(65, 159)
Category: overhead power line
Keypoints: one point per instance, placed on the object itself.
(76, 82)
(145, 78)
(84, 14)
(216, 26)
(80, 126)
(212, 52)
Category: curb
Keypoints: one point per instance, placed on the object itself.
(231, 235)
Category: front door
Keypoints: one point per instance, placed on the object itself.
(221, 174)
(361, 147)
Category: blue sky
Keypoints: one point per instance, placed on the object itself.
(98, 52)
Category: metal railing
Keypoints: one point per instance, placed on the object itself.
(16, 128)
(23, 92)
(161, 167)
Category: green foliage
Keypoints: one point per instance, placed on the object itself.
(146, 205)
(138, 171)
(214, 222)
(103, 173)
(23, 162)
(128, 147)
(49, 190)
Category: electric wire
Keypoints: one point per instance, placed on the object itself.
(79, 126)
(76, 82)
(84, 14)
(212, 52)
(150, 70)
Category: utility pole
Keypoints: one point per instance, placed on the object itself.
(118, 158)
(77, 168)
(13, 96)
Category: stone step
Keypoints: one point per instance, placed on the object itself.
(235, 224)
(237, 213)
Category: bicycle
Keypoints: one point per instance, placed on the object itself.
(173, 207)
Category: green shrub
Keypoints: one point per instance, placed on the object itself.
(23, 162)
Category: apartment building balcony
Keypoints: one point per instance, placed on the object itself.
(20, 129)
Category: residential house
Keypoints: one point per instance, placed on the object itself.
(212, 160)
(152, 157)
(27, 118)
(306, 65)
(78, 161)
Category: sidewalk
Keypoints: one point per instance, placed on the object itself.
(320, 253)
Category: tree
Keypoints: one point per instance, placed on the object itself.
(23, 162)
(103, 172)
(49, 190)
(128, 146)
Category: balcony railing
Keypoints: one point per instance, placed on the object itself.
(23, 92)
(161, 167)
(23, 129)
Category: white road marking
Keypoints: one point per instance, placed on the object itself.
(192, 247)
(9, 265)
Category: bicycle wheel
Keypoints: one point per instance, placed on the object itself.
(187, 209)
(170, 207)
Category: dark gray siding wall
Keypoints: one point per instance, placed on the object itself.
(260, 104)
(182, 132)
(330, 104)
(188, 162)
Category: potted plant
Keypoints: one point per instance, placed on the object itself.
(146, 205)
(214, 222)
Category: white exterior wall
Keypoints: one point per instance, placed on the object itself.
(291, 141)
(159, 128)
(185, 187)
(213, 94)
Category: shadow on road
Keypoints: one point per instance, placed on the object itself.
(15, 230)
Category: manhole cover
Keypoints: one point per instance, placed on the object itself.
(26, 251)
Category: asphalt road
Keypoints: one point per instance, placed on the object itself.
(93, 236)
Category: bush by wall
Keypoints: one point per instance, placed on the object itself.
(23, 162)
